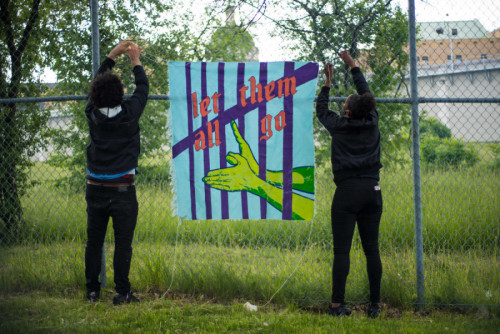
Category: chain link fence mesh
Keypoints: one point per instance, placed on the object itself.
(42, 167)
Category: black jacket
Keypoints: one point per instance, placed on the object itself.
(114, 144)
(355, 142)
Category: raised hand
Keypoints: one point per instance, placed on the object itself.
(328, 70)
(121, 48)
(134, 52)
(346, 58)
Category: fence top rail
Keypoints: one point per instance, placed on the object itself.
(332, 99)
(66, 98)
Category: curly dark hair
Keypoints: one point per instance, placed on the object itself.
(361, 105)
(106, 90)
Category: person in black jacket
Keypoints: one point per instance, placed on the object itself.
(112, 155)
(356, 164)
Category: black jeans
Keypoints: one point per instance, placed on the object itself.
(356, 200)
(122, 206)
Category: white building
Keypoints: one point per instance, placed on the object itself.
(473, 122)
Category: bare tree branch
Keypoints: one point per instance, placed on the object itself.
(257, 13)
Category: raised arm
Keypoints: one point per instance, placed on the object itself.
(106, 65)
(327, 117)
(357, 76)
(140, 96)
(109, 62)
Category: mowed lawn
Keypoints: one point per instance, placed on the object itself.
(45, 313)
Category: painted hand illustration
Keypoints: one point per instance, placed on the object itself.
(237, 178)
(244, 175)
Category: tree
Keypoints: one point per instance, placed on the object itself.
(375, 32)
(231, 41)
(163, 37)
(19, 125)
(146, 23)
(37, 34)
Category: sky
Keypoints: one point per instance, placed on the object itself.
(486, 11)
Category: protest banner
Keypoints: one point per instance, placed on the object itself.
(242, 139)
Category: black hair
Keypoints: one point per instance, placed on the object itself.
(361, 105)
(106, 90)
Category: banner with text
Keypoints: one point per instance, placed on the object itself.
(242, 139)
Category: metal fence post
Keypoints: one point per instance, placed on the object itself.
(416, 156)
(94, 12)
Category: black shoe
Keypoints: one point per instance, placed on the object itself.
(126, 298)
(339, 311)
(93, 296)
(373, 311)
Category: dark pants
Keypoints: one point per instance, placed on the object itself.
(122, 206)
(356, 200)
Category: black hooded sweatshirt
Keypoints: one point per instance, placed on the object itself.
(114, 144)
(355, 142)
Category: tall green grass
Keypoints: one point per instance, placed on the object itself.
(288, 261)
(461, 210)
(301, 277)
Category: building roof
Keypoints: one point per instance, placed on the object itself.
(472, 29)
(483, 65)
(495, 33)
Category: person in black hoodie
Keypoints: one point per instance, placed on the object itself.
(112, 155)
(356, 164)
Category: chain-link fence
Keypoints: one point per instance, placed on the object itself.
(46, 56)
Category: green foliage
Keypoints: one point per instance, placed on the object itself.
(230, 43)
(158, 175)
(433, 127)
(447, 152)
(70, 54)
(394, 118)
(439, 149)
(376, 34)
(495, 149)
(57, 36)
(20, 125)
(387, 61)
(123, 22)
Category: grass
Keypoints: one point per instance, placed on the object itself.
(42, 313)
(467, 280)
(292, 259)
(460, 211)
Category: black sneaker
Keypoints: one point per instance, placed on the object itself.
(93, 296)
(373, 311)
(126, 298)
(339, 311)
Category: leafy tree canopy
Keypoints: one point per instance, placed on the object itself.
(376, 34)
